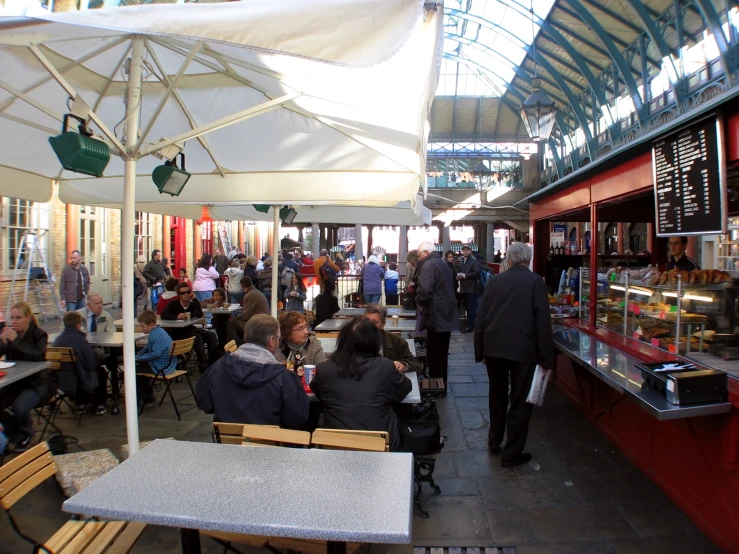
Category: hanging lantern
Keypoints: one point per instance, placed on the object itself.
(538, 113)
(205, 215)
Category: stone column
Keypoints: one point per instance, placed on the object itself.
(315, 248)
(370, 241)
(446, 242)
(490, 241)
(358, 251)
(402, 245)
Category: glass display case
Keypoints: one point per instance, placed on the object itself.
(692, 314)
(727, 257)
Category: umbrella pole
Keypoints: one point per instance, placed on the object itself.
(128, 222)
(275, 255)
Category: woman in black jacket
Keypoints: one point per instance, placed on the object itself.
(24, 340)
(357, 387)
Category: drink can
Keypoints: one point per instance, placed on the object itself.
(308, 372)
(187, 316)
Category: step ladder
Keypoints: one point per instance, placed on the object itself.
(38, 282)
(224, 236)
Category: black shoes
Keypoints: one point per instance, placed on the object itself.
(521, 459)
(23, 444)
(494, 448)
(466, 330)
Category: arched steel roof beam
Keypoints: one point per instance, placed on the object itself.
(680, 86)
(520, 70)
(516, 109)
(728, 54)
(572, 99)
(616, 56)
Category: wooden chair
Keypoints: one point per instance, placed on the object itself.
(231, 433)
(433, 386)
(24, 473)
(179, 348)
(268, 435)
(339, 440)
(384, 435)
(231, 346)
(325, 335)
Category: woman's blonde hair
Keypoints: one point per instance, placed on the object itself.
(25, 309)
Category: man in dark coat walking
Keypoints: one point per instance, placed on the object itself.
(438, 305)
(513, 334)
(469, 286)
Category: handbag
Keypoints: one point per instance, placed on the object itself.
(420, 432)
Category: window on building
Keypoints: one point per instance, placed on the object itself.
(17, 218)
(143, 234)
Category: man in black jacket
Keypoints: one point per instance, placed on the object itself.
(394, 347)
(250, 386)
(513, 335)
(469, 286)
(154, 270)
(186, 305)
(438, 304)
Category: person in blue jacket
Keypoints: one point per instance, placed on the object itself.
(372, 276)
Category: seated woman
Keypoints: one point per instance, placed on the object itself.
(298, 346)
(86, 379)
(220, 321)
(24, 340)
(357, 387)
(169, 294)
(325, 304)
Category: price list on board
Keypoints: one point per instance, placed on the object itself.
(687, 184)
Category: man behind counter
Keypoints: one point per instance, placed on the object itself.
(678, 259)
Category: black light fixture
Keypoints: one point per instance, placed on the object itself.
(287, 215)
(80, 152)
(169, 178)
(538, 111)
(481, 176)
(263, 208)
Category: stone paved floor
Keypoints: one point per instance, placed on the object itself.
(580, 495)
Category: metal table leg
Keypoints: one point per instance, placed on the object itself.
(190, 541)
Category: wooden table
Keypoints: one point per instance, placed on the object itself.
(335, 495)
(20, 370)
(333, 325)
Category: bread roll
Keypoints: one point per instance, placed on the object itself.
(725, 276)
(663, 277)
(685, 276)
(702, 277)
(672, 278)
(653, 279)
(693, 276)
(716, 276)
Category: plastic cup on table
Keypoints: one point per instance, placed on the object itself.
(187, 317)
(395, 321)
(308, 372)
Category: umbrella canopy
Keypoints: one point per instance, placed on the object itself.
(274, 102)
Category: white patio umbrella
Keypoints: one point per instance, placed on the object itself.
(273, 102)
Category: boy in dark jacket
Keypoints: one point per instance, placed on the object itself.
(250, 386)
(85, 379)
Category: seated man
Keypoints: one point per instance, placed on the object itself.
(86, 380)
(250, 386)
(98, 320)
(254, 303)
(180, 309)
(394, 347)
(153, 357)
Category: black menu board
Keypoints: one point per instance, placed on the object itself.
(689, 185)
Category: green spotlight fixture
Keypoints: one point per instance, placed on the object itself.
(263, 208)
(79, 152)
(287, 215)
(169, 178)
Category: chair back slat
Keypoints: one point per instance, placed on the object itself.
(347, 441)
(384, 435)
(19, 462)
(180, 347)
(263, 434)
(63, 354)
(325, 335)
(27, 486)
(231, 346)
(228, 433)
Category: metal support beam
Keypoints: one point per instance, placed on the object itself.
(711, 19)
(618, 59)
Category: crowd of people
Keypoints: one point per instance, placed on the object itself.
(358, 386)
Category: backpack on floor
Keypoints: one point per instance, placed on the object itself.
(420, 432)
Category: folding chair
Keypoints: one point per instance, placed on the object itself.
(267, 435)
(24, 473)
(179, 348)
(231, 346)
(384, 435)
(341, 440)
(230, 433)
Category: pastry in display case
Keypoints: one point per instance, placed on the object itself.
(691, 313)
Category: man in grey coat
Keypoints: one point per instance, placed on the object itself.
(437, 303)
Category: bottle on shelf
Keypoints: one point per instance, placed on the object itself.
(551, 250)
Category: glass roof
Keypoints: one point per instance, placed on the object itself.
(485, 40)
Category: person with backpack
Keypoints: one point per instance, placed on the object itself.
(325, 269)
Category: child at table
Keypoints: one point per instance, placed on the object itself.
(85, 378)
(220, 321)
(153, 357)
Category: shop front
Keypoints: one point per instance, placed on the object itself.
(645, 304)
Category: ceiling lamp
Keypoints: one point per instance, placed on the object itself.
(205, 215)
(538, 112)
(79, 152)
(263, 208)
(287, 215)
(481, 175)
(169, 178)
